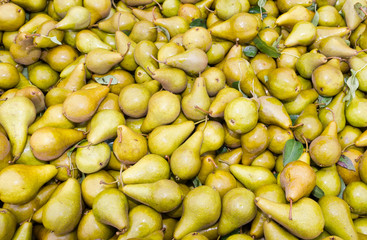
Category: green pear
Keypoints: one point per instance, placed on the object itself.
(197, 37)
(9, 77)
(352, 20)
(353, 195)
(329, 16)
(201, 209)
(254, 143)
(49, 143)
(103, 125)
(12, 17)
(90, 159)
(119, 21)
(308, 62)
(20, 183)
(148, 169)
(337, 106)
(147, 14)
(126, 46)
(32, 25)
(339, 48)
(307, 217)
(100, 60)
(24, 231)
(238, 209)
(81, 105)
(175, 25)
(143, 220)
(220, 180)
(328, 180)
(129, 146)
(218, 51)
(107, 38)
(294, 15)
(61, 214)
(272, 111)
(8, 224)
(215, 80)
(97, 9)
(302, 34)
(273, 231)
(89, 228)
(163, 195)
(167, 50)
(193, 61)
(145, 53)
(354, 110)
(76, 18)
(213, 136)
(357, 64)
(163, 108)
(41, 232)
(16, 114)
(311, 125)
(185, 161)
(171, 79)
(86, 41)
(134, 99)
(226, 9)
(110, 207)
(328, 79)
(223, 97)
(160, 140)
(336, 214)
(252, 177)
(360, 224)
(48, 29)
(283, 83)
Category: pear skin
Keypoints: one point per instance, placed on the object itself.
(89, 227)
(8, 224)
(273, 231)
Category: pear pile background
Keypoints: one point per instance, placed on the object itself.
(183, 119)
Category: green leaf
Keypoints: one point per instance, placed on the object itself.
(250, 51)
(342, 187)
(256, 10)
(80, 180)
(71, 150)
(293, 118)
(360, 10)
(263, 47)
(236, 231)
(324, 101)
(236, 85)
(276, 42)
(312, 7)
(105, 80)
(196, 182)
(55, 40)
(292, 151)
(198, 22)
(347, 42)
(345, 162)
(317, 192)
(353, 85)
(222, 149)
(25, 73)
(127, 32)
(315, 19)
(266, 78)
(165, 31)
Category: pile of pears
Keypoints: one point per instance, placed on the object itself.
(183, 119)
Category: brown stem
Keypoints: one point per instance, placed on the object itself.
(107, 183)
(331, 113)
(113, 4)
(297, 125)
(159, 5)
(158, 61)
(213, 162)
(306, 142)
(202, 110)
(209, 10)
(349, 145)
(120, 136)
(290, 209)
(167, 158)
(33, 35)
(361, 8)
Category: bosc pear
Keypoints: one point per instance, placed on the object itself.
(16, 114)
(49, 143)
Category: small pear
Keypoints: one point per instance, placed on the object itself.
(89, 227)
(353, 195)
(171, 79)
(220, 180)
(328, 79)
(294, 15)
(350, 175)
(9, 76)
(254, 142)
(238, 209)
(223, 97)
(49, 143)
(252, 177)
(185, 161)
(129, 146)
(354, 110)
(145, 53)
(143, 220)
(134, 99)
(81, 105)
(339, 49)
(311, 125)
(100, 60)
(26, 177)
(163, 108)
(175, 25)
(272, 111)
(228, 158)
(8, 224)
(35, 95)
(201, 209)
(336, 213)
(308, 62)
(119, 21)
(110, 207)
(327, 178)
(24, 231)
(337, 107)
(138, 173)
(193, 61)
(283, 84)
(273, 231)
(76, 18)
(307, 220)
(110, 102)
(302, 34)
(197, 37)
(87, 40)
(218, 51)
(48, 29)
(126, 46)
(103, 125)
(160, 140)
(97, 9)
(90, 159)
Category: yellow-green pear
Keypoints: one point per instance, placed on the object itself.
(12, 17)
(294, 15)
(8, 224)
(98, 9)
(126, 46)
(16, 114)
(311, 125)
(252, 177)
(21, 183)
(134, 99)
(220, 180)
(354, 110)
(352, 18)
(255, 142)
(307, 217)
(356, 64)
(148, 169)
(283, 83)
(328, 180)
(49, 143)
(272, 111)
(76, 18)
(353, 195)
(308, 62)
(61, 214)
(339, 48)
(273, 231)
(223, 97)
(24, 231)
(90, 159)
(171, 79)
(337, 113)
(9, 77)
(175, 25)
(110, 207)
(100, 60)
(328, 79)
(302, 34)
(201, 209)
(193, 61)
(213, 136)
(40, 231)
(86, 41)
(89, 227)
(119, 21)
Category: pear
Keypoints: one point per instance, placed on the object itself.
(139, 32)
(328, 180)
(12, 17)
(39, 231)
(147, 15)
(220, 180)
(201, 209)
(163, 195)
(363, 168)
(325, 150)
(52, 117)
(134, 99)
(110, 102)
(35, 95)
(56, 96)
(339, 49)
(337, 107)
(16, 114)
(228, 158)
(272, 111)
(171, 79)
(274, 231)
(360, 224)
(327, 79)
(60, 57)
(145, 53)
(110, 207)
(32, 25)
(357, 64)
(283, 84)
(62, 212)
(27, 156)
(218, 51)
(208, 167)
(241, 115)
(294, 15)
(336, 213)
(42, 75)
(170, 8)
(138, 174)
(19, 176)
(24, 231)
(353, 20)
(350, 135)
(252, 177)
(89, 227)
(162, 134)
(143, 220)
(100, 60)
(223, 97)
(90, 159)
(308, 62)
(213, 136)
(103, 125)
(242, 26)
(353, 111)
(187, 156)
(350, 175)
(9, 77)
(168, 50)
(307, 220)
(8, 224)
(76, 18)
(196, 104)
(353, 195)
(107, 38)
(163, 108)
(81, 105)
(302, 34)
(49, 143)
(119, 21)
(329, 16)
(195, 236)
(215, 80)
(277, 138)
(97, 9)
(47, 29)
(129, 146)
(254, 142)
(238, 209)
(175, 25)
(87, 40)
(197, 37)
(126, 46)
(311, 126)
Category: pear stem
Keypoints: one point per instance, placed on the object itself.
(150, 71)
(33, 35)
(202, 110)
(108, 183)
(167, 158)
(306, 142)
(213, 162)
(119, 135)
(159, 5)
(153, 15)
(3, 99)
(363, 50)
(158, 61)
(296, 126)
(346, 147)
(14, 160)
(113, 4)
(200, 121)
(118, 22)
(209, 10)
(361, 8)
(290, 209)
(331, 113)
(67, 169)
